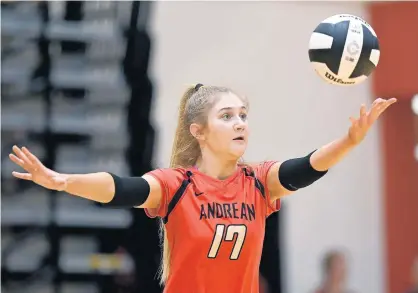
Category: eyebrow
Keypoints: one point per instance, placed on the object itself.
(230, 108)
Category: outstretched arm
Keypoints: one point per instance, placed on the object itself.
(291, 175)
(103, 187)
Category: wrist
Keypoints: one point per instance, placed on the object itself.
(349, 142)
(64, 178)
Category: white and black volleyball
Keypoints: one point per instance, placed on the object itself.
(344, 50)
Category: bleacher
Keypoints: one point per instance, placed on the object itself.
(65, 97)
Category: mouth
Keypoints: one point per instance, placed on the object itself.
(239, 138)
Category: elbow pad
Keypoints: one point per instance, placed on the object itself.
(298, 173)
(129, 192)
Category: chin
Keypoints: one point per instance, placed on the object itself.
(237, 153)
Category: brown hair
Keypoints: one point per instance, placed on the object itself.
(194, 107)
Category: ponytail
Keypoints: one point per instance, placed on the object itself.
(184, 154)
(185, 147)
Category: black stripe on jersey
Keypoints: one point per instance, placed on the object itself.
(331, 57)
(364, 65)
(258, 184)
(176, 198)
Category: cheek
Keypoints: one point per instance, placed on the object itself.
(218, 132)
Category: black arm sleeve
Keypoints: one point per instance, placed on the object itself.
(129, 192)
(298, 173)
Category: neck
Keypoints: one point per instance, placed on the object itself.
(216, 167)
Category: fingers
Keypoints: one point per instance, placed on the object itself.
(24, 176)
(376, 111)
(380, 101)
(376, 101)
(392, 101)
(362, 110)
(388, 103)
(17, 161)
(378, 107)
(26, 162)
(33, 159)
(383, 102)
(362, 120)
(25, 159)
(363, 116)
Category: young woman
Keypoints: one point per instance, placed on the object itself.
(212, 207)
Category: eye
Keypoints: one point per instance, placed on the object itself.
(226, 116)
(243, 116)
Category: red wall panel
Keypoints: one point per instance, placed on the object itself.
(396, 25)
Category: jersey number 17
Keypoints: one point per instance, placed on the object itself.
(231, 230)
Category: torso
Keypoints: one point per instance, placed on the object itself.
(216, 232)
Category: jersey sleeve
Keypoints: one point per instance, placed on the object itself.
(170, 180)
(261, 171)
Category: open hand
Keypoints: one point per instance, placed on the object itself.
(360, 126)
(36, 171)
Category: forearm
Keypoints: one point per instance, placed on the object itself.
(327, 156)
(98, 187)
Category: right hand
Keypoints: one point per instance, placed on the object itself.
(37, 172)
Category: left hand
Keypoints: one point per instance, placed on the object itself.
(360, 126)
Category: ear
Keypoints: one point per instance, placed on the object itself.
(197, 131)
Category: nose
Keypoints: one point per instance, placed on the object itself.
(240, 126)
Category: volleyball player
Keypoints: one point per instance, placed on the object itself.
(212, 206)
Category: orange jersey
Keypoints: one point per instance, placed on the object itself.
(215, 228)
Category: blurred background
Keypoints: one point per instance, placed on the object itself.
(94, 86)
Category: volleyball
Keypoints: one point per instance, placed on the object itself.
(344, 50)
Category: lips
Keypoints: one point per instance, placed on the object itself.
(239, 138)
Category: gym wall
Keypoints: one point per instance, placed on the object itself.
(261, 50)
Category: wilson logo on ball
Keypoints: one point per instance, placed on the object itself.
(337, 80)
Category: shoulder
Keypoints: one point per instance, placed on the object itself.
(168, 172)
(165, 182)
(263, 168)
(168, 175)
(270, 169)
(266, 173)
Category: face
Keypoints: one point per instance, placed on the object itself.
(338, 269)
(227, 132)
